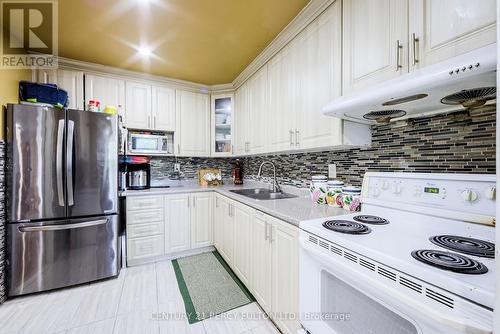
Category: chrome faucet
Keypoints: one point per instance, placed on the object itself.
(276, 186)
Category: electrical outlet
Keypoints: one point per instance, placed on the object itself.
(177, 167)
(332, 171)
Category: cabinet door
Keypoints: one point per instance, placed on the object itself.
(218, 223)
(282, 80)
(241, 127)
(261, 261)
(46, 76)
(201, 220)
(285, 283)
(138, 100)
(242, 218)
(223, 227)
(443, 29)
(177, 223)
(222, 121)
(163, 106)
(320, 80)
(193, 124)
(72, 82)
(108, 91)
(258, 104)
(228, 231)
(372, 29)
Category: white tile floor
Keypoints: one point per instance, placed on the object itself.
(128, 304)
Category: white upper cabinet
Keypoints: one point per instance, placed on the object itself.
(375, 41)
(138, 101)
(163, 108)
(446, 28)
(150, 107)
(241, 121)
(108, 91)
(258, 112)
(282, 78)
(222, 124)
(193, 124)
(69, 80)
(72, 82)
(320, 68)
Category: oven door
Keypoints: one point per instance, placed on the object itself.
(337, 297)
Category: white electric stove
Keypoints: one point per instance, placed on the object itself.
(418, 258)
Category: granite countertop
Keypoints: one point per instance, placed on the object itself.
(291, 210)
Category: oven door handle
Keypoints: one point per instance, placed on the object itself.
(453, 322)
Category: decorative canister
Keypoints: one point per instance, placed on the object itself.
(318, 189)
(334, 193)
(351, 198)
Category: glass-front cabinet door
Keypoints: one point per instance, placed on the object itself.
(222, 124)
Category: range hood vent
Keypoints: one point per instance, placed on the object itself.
(471, 98)
(466, 81)
(384, 116)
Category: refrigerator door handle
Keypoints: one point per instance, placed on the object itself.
(62, 226)
(69, 161)
(59, 162)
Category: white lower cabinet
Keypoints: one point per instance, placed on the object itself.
(177, 223)
(262, 251)
(264, 254)
(285, 275)
(242, 220)
(201, 222)
(165, 224)
(261, 261)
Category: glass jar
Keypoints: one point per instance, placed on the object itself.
(351, 198)
(318, 189)
(334, 193)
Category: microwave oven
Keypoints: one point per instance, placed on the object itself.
(150, 143)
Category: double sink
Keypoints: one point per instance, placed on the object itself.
(262, 194)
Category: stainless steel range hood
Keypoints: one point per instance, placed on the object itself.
(421, 92)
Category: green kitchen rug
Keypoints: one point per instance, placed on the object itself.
(208, 286)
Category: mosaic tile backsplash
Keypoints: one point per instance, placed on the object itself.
(449, 143)
(3, 285)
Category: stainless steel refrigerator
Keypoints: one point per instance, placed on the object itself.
(61, 197)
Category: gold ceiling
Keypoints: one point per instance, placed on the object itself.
(205, 41)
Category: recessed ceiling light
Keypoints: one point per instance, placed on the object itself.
(144, 51)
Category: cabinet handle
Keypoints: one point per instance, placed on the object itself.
(415, 41)
(297, 137)
(154, 121)
(216, 202)
(398, 55)
(265, 231)
(149, 121)
(291, 137)
(194, 202)
(188, 202)
(178, 149)
(271, 233)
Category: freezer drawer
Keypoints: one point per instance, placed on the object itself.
(51, 255)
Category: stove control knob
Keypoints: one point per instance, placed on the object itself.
(491, 192)
(397, 188)
(418, 191)
(385, 185)
(469, 195)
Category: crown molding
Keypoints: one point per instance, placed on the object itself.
(310, 12)
(93, 68)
